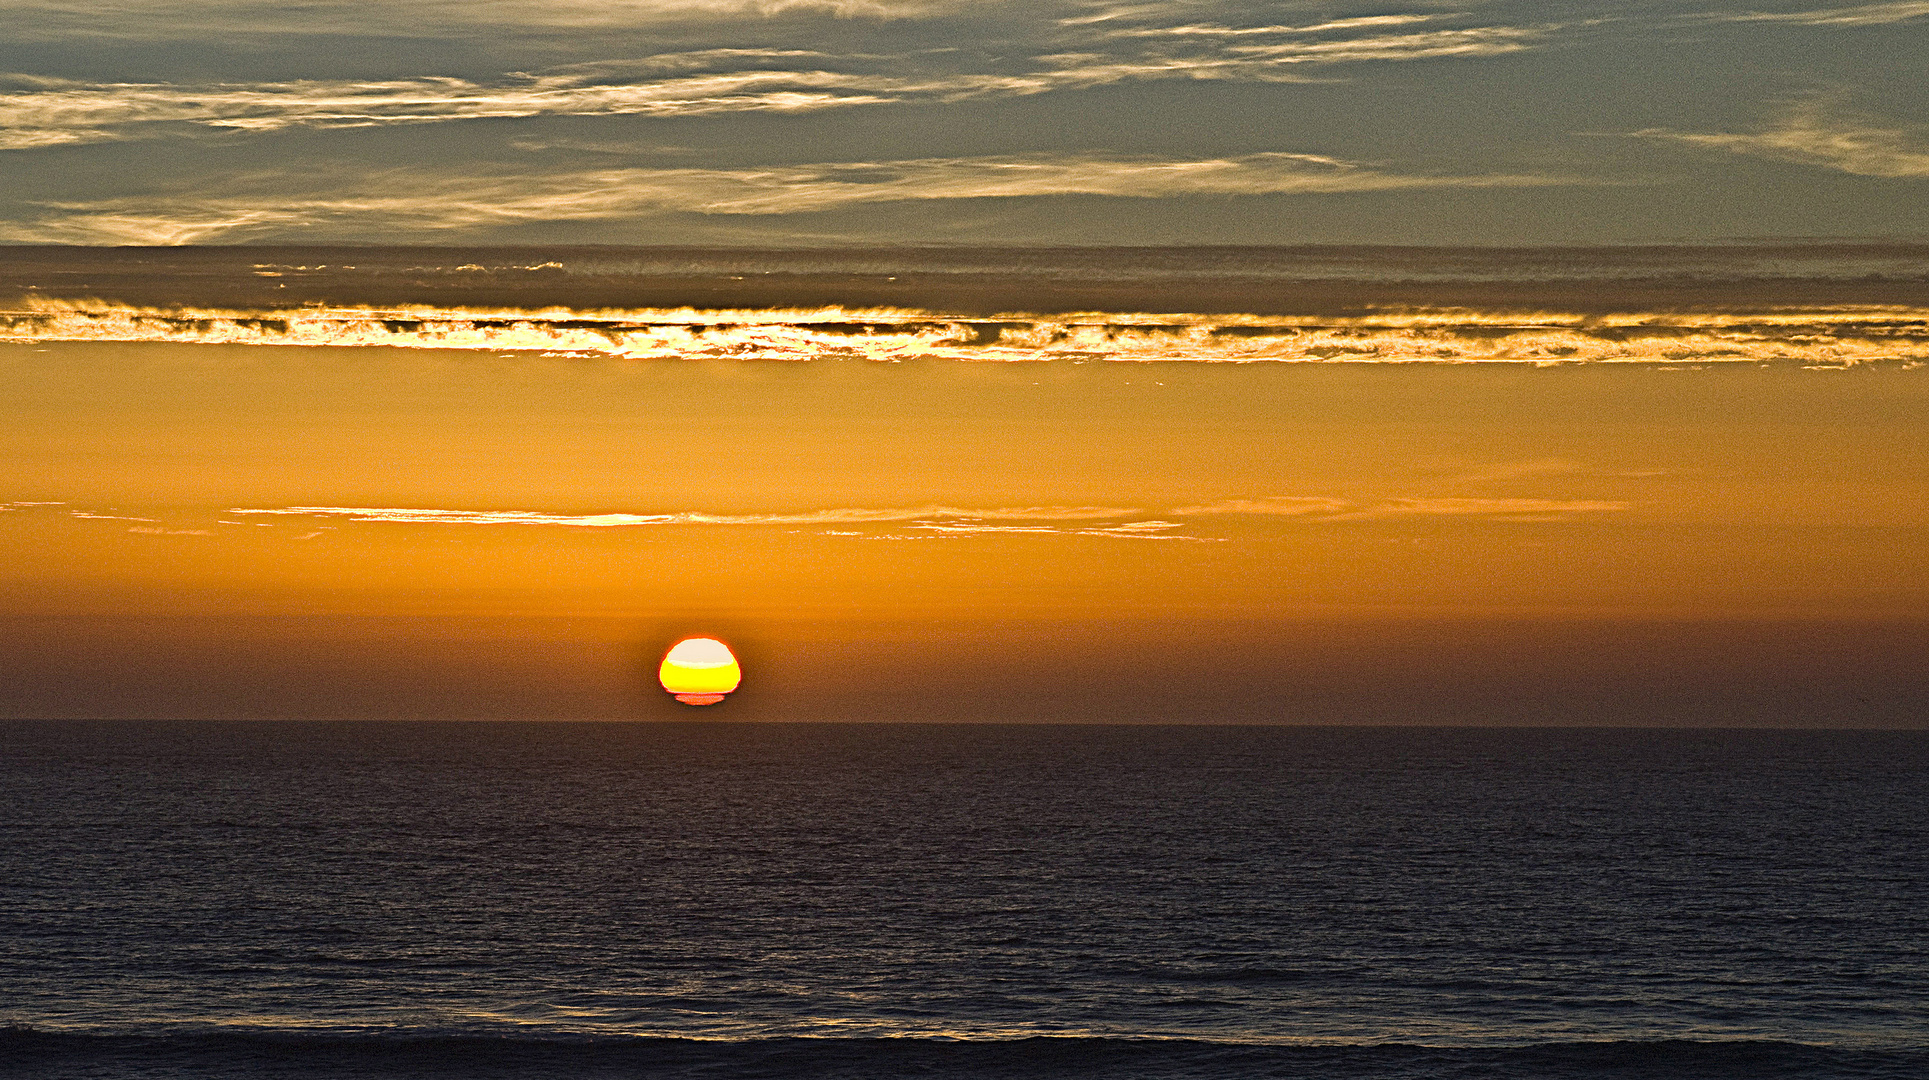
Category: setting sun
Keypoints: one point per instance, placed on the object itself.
(699, 671)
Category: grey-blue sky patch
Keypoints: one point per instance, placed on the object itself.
(156, 121)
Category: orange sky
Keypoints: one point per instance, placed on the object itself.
(1342, 543)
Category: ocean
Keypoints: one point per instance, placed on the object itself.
(481, 900)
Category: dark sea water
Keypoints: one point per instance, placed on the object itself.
(282, 899)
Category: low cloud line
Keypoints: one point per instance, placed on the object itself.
(963, 521)
(1822, 335)
(915, 522)
(838, 516)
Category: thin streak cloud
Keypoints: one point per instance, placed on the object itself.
(835, 516)
(1813, 135)
(1130, 530)
(1278, 506)
(960, 521)
(60, 112)
(1473, 42)
(414, 200)
(1536, 509)
(1859, 15)
(1217, 31)
(37, 112)
(1320, 508)
(173, 19)
(936, 521)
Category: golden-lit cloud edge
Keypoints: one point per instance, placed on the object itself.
(835, 516)
(171, 19)
(1127, 530)
(168, 20)
(1829, 336)
(874, 523)
(1819, 132)
(1113, 522)
(1854, 15)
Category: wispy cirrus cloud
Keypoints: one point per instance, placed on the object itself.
(172, 19)
(1815, 133)
(1218, 30)
(438, 201)
(1856, 15)
(42, 111)
(1477, 41)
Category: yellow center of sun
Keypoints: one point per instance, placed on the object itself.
(699, 671)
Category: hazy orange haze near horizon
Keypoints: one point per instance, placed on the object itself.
(952, 540)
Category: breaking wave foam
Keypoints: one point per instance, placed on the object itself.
(1827, 336)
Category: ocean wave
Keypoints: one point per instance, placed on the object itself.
(1833, 336)
(217, 1054)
